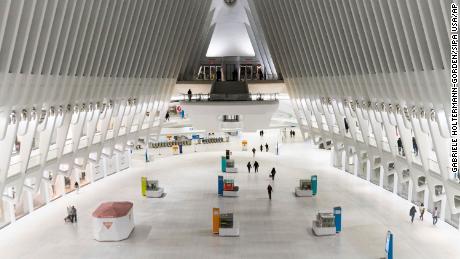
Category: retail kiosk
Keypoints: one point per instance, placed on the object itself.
(228, 164)
(307, 187)
(389, 246)
(226, 187)
(244, 145)
(175, 149)
(113, 221)
(328, 223)
(224, 224)
(151, 188)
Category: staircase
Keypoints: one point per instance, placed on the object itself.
(230, 91)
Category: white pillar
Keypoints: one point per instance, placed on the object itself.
(45, 189)
(410, 190)
(395, 182)
(381, 175)
(368, 170)
(12, 211)
(29, 199)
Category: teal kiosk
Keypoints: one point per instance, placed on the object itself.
(223, 163)
(338, 219)
(389, 245)
(314, 184)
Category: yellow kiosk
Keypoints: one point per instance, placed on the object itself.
(224, 224)
(175, 149)
(244, 145)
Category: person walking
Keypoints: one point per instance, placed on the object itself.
(293, 133)
(421, 209)
(253, 152)
(412, 212)
(435, 215)
(74, 214)
(249, 167)
(256, 167)
(269, 190)
(261, 148)
(273, 172)
(167, 116)
(189, 93)
(266, 147)
(77, 187)
(262, 132)
(290, 133)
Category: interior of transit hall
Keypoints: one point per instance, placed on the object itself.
(179, 224)
(96, 95)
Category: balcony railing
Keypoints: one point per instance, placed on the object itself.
(229, 97)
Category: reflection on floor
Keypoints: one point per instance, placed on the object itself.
(179, 225)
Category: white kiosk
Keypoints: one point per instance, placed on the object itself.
(153, 189)
(113, 221)
(230, 189)
(324, 225)
(304, 189)
(229, 227)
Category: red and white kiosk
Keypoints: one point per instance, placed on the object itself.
(113, 221)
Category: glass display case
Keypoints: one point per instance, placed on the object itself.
(230, 163)
(226, 220)
(305, 184)
(152, 185)
(229, 184)
(325, 220)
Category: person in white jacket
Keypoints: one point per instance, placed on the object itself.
(435, 215)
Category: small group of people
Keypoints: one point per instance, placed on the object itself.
(71, 214)
(269, 187)
(292, 133)
(256, 167)
(401, 147)
(261, 133)
(421, 209)
(262, 147)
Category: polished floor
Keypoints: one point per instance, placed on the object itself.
(179, 225)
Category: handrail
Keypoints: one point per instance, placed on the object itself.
(229, 97)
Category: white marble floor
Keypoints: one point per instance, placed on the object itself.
(179, 225)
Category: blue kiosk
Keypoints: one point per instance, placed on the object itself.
(389, 245)
(338, 219)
